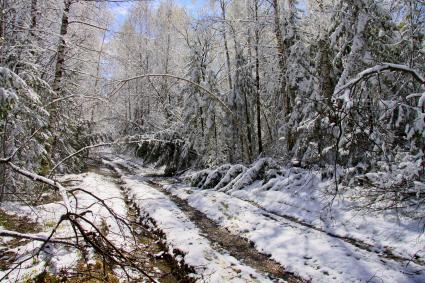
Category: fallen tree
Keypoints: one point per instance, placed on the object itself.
(160, 150)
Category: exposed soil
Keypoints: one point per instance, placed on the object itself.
(18, 223)
(152, 253)
(223, 240)
(212, 231)
(235, 245)
(7, 258)
(384, 253)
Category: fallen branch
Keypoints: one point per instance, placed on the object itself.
(35, 177)
(13, 234)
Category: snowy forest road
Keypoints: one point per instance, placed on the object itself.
(178, 233)
(271, 244)
(220, 238)
(237, 246)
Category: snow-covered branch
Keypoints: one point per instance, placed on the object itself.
(380, 68)
(211, 94)
(41, 238)
(35, 177)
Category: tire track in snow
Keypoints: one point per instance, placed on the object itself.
(222, 240)
(301, 249)
(237, 246)
(386, 253)
(382, 261)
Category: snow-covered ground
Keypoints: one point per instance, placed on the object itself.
(310, 253)
(285, 217)
(183, 236)
(55, 258)
(300, 195)
(275, 215)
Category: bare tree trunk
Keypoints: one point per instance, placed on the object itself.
(201, 114)
(324, 71)
(242, 146)
(229, 79)
(56, 85)
(281, 55)
(268, 127)
(165, 86)
(3, 169)
(248, 129)
(226, 47)
(283, 46)
(3, 172)
(257, 82)
(215, 137)
(60, 60)
(129, 103)
(98, 73)
(98, 59)
(3, 21)
(33, 17)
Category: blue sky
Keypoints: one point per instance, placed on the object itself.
(121, 10)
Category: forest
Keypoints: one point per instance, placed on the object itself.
(212, 141)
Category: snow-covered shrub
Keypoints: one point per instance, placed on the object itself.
(239, 176)
(398, 186)
(256, 172)
(197, 179)
(215, 176)
(7, 99)
(209, 178)
(231, 176)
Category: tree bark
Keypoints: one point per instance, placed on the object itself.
(281, 56)
(33, 17)
(248, 129)
(60, 59)
(229, 80)
(165, 87)
(257, 82)
(57, 82)
(226, 47)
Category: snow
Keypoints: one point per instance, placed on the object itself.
(376, 69)
(286, 217)
(291, 205)
(281, 210)
(58, 257)
(14, 82)
(183, 235)
(276, 208)
(301, 194)
(249, 176)
(7, 96)
(299, 249)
